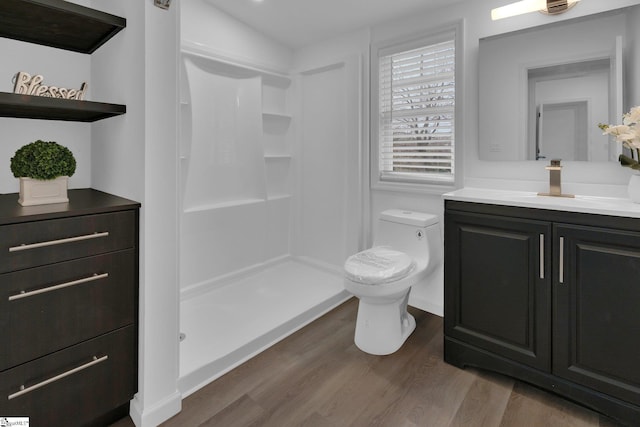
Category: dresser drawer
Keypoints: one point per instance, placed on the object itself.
(45, 242)
(73, 386)
(48, 308)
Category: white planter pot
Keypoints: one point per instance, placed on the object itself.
(634, 188)
(43, 192)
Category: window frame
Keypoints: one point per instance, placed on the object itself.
(413, 182)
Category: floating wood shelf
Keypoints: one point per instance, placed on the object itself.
(40, 107)
(58, 23)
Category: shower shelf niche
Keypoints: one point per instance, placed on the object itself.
(277, 156)
(277, 174)
(276, 116)
(276, 131)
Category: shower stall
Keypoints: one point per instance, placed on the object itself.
(270, 204)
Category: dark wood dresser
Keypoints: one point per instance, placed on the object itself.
(68, 309)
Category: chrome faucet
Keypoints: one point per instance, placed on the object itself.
(555, 189)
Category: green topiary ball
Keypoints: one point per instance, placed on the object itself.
(43, 160)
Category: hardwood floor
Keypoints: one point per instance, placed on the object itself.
(317, 377)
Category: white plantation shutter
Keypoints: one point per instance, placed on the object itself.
(416, 107)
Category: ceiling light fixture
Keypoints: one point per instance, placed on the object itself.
(550, 7)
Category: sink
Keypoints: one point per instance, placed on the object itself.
(529, 199)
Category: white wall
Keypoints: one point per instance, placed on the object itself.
(135, 156)
(579, 177)
(633, 66)
(117, 156)
(59, 68)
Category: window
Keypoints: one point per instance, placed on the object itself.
(416, 120)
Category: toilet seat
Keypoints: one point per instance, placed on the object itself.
(378, 265)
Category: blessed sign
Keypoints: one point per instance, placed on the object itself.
(26, 84)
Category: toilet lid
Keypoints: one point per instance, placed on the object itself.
(378, 265)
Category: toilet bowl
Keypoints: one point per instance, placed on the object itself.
(405, 253)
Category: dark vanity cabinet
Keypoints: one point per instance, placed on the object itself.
(597, 316)
(549, 297)
(498, 285)
(68, 309)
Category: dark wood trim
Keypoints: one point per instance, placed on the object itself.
(58, 23)
(83, 201)
(45, 108)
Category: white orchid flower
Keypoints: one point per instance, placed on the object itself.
(621, 132)
(632, 117)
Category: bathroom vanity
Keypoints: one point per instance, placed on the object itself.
(547, 290)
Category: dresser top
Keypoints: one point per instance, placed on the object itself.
(83, 201)
(527, 199)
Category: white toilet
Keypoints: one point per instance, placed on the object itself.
(405, 253)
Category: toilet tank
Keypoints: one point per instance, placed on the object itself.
(415, 233)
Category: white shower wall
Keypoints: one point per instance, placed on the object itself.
(259, 185)
(329, 206)
(225, 160)
(235, 165)
(270, 167)
(270, 200)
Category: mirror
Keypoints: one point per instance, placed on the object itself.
(543, 91)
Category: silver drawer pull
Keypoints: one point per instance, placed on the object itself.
(25, 246)
(541, 254)
(25, 390)
(561, 264)
(60, 286)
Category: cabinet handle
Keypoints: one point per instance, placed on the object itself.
(24, 246)
(542, 256)
(561, 267)
(60, 286)
(25, 390)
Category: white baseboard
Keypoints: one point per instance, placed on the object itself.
(158, 413)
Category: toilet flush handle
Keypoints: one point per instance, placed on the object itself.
(419, 234)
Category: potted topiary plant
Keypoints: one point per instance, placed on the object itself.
(43, 168)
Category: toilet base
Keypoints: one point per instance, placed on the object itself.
(383, 326)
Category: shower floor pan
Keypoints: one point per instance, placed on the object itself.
(230, 324)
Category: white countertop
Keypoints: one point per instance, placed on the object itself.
(526, 199)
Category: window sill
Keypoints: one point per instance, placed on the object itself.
(416, 188)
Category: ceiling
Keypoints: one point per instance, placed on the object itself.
(296, 23)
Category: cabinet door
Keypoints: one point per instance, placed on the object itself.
(497, 292)
(597, 309)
